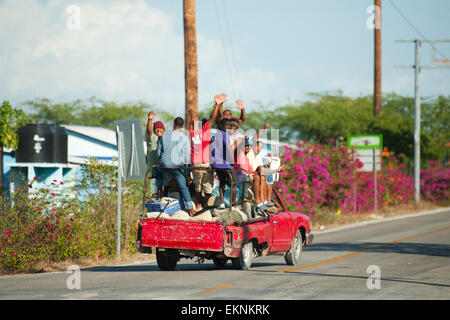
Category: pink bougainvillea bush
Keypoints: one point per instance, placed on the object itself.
(317, 176)
(435, 183)
(321, 176)
(394, 186)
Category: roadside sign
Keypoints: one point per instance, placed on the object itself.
(368, 141)
(367, 159)
(131, 149)
(365, 145)
(131, 161)
(368, 151)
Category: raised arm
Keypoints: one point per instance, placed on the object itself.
(151, 115)
(219, 101)
(219, 113)
(240, 105)
(256, 137)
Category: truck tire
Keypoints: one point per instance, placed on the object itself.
(292, 257)
(167, 260)
(220, 262)
(244, 261)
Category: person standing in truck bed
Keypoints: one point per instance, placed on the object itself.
(200, 141)
(174, 151)
(154, 132)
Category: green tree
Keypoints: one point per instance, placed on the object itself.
(90, 112)
(10, 121)
(332, 115)
(436, 127)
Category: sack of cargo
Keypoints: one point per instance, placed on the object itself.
(180, 215)
(157, 215)
(204, 216)
(165, 205)
(228, 216)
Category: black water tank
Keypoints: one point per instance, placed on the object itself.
(59, 144)
(35, 143)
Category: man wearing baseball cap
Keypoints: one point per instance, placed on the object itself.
(154, 132)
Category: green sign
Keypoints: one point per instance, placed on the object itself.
(368, 141)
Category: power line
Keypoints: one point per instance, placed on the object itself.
(233, 58)
(224, 48)
(412, 26)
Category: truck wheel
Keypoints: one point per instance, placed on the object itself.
(167, 260)
(220, 262)
(244, 261)
(292, 257)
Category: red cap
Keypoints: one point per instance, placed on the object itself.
(158, 124)
(234, 121)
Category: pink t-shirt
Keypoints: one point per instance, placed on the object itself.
(200, 140)
(243, 162)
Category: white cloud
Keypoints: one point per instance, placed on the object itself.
(123, 51)
(116, 54)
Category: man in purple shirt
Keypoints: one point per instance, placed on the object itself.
(222, 157)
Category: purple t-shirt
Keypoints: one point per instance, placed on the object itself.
(222, 155)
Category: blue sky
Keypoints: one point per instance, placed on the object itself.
(133, 50)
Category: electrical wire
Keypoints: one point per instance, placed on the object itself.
(233, 58)
(412, 26)
(224, 48)
(165, 63)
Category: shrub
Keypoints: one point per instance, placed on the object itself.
(318, 176)
(321, 176)
(435, 183)
(98, 197)
(40, 227)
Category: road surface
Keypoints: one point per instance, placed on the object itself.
(406, 258)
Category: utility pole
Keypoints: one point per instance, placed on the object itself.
(190, 63)
(417, 68)
(417, 121)
(377, 62)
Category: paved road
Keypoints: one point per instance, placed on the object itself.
(412, 255)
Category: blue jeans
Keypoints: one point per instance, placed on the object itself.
(180, 177)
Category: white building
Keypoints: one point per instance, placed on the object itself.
(84, 142)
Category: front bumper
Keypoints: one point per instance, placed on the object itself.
(309, 238)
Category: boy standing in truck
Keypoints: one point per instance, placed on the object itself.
(200, 141)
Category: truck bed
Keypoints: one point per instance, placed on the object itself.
(181, 234)
(202, 235)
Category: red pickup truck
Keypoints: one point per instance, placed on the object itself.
(282, 233)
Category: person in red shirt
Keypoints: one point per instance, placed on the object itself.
(200, 151)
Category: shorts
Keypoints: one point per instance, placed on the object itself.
(269, 178)
(202, 179)
(224, 176)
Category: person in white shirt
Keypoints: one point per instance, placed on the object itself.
(271, 168)
(256, 161)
